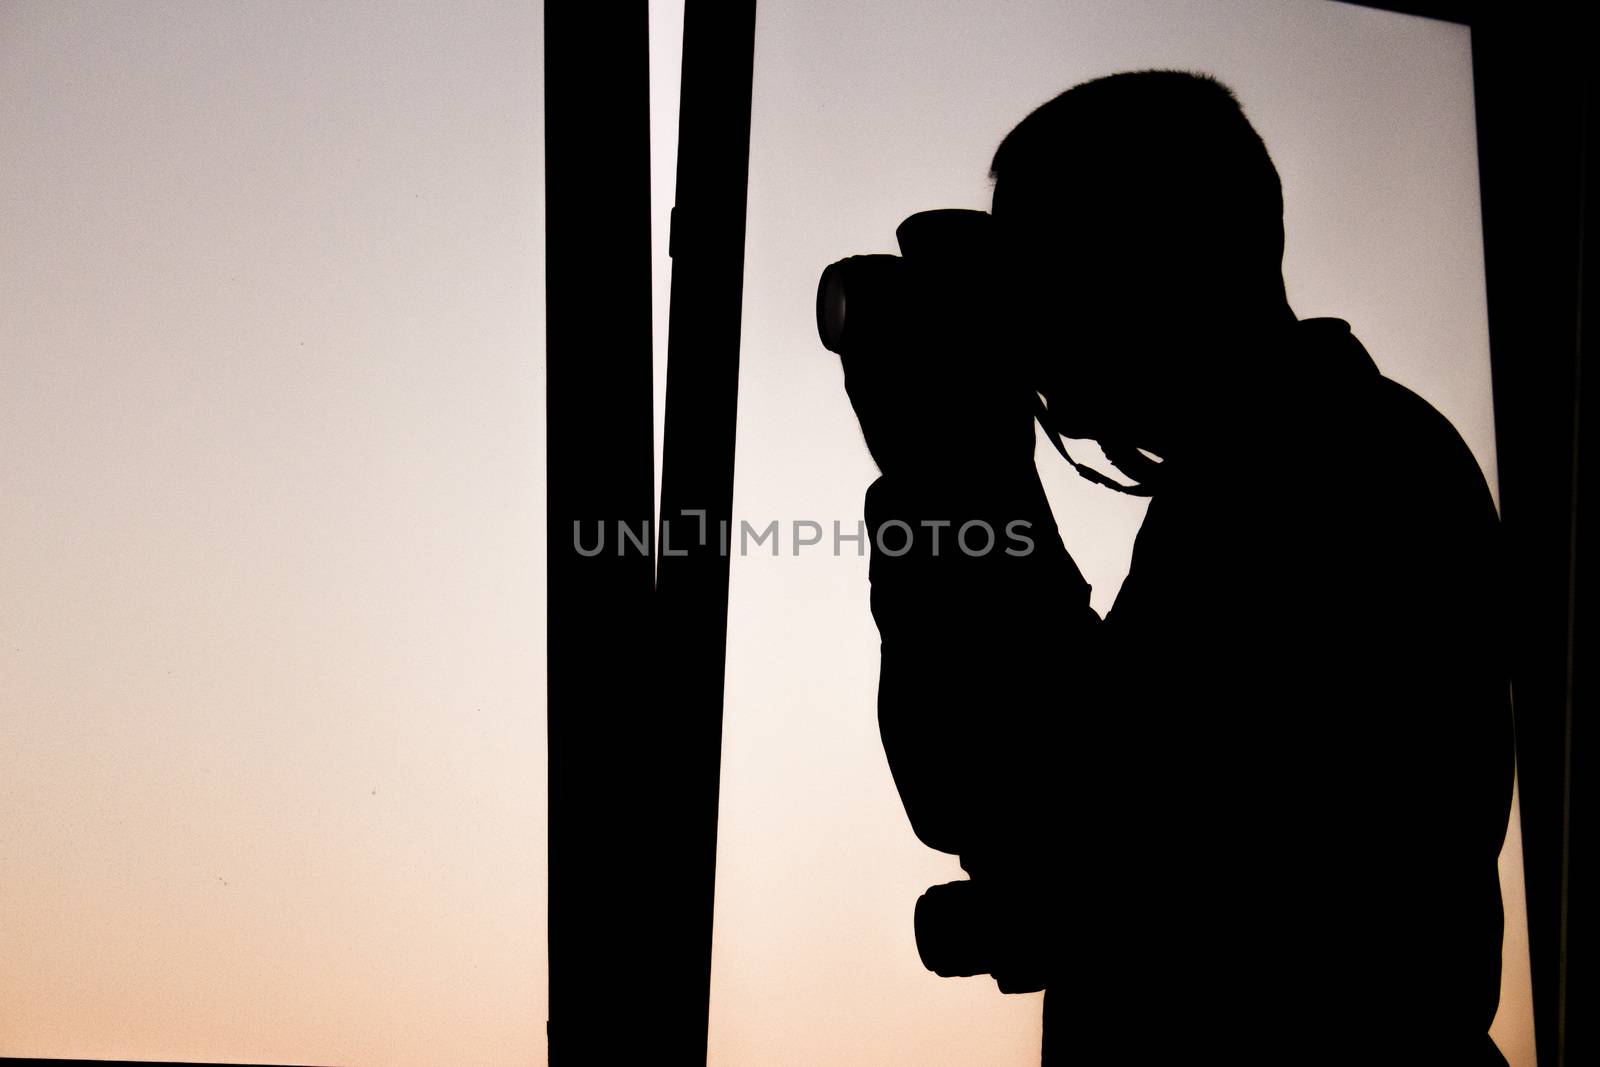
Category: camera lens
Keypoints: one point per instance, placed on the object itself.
(950, 930)
(831, 307)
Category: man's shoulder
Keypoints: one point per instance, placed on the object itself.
(1403, 420)
(1421, 454)
(1383, 433)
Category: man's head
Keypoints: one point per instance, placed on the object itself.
(1143, 218)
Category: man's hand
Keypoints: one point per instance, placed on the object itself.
(940, 411)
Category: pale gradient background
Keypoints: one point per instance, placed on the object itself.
(864, 113)
(272, 620)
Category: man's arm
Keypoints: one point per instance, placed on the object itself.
(983, 618)
(982, 615)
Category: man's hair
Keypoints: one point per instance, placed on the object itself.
(1169, 149)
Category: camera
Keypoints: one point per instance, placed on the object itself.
(964, 928)
(924, 342)
(933, 331)
(938, 283)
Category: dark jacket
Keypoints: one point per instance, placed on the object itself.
(1256, 811)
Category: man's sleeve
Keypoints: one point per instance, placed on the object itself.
(985, 625)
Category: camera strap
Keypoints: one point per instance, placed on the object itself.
(1136, 488)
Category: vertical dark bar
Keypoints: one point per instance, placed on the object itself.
(708, 228)
(1534, 131)
(605, 959)
(1577, 941)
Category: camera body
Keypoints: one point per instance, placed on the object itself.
(968, 928)
(929, 359)
(938, 283)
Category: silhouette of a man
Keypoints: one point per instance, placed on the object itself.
(1254, 814)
